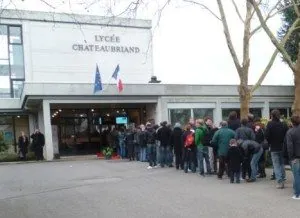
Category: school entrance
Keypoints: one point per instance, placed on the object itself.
(82, 129)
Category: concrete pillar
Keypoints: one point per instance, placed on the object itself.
(266, 110)
(33, 123)
(48, 149)
(218, 113)
(158, 117)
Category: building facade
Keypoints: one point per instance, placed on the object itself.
(47, 72)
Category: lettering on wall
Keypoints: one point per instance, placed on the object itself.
(106, 44)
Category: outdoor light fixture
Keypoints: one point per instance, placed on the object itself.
(60, 110)
(92, 110)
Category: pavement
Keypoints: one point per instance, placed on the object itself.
(109, 189)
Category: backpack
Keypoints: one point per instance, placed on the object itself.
(190, 140)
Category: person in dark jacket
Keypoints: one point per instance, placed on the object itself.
(233, 121)
(275, 134)
(23, 143)
(235, 159)
(245, 133)
(129, 141)
(150, 135)
(38, 143)
(189, 151)
(176, 142)
(211, 130)
(163, 135)
(253, 150)
(293, 149)
(221, 139)
(142, 143)
(260, 138)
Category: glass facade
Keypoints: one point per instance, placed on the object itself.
(11, 127)
(257, 112)
(12, 73)
(183, 116)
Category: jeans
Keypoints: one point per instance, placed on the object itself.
(189, 160)
(122, 149)
(152, 154)
(254, 163)
(278, 165)
(236, 175)
(170, 155)
(163, 155)
(143, 154)
(158, 152)
(202, 154)
(296, 173)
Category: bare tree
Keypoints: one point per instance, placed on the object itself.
(294, 66)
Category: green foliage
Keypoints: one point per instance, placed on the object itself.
(13, 157)
(107, 152)
(288, 18)
(3, 145)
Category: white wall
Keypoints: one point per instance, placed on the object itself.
(49, 55)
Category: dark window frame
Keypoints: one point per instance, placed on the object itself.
(12, 94)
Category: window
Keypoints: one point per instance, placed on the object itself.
(255, 111)
(181, 116)
(12, 73)
(11, 127)
(284, 112)
(200, 113)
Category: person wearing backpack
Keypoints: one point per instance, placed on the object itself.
(221, 139)
(202, 151)
(151, 146)
(189, 149)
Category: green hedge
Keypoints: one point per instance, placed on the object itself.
(12, 157)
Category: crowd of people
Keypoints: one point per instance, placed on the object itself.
(237, 147)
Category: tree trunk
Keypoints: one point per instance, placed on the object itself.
(296, 105)
(245, 96)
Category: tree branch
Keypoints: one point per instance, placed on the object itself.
(268, 67)
(237, 10)
(269, 15)
(204, 7)
(228, 39)
(296, 8)
(273, 38)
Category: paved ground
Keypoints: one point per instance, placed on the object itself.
(108, 189)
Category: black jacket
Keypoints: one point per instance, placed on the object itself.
(293, 142)
(163, 135)
(250, 147)
(235, 158)
(209, 136)
(38, 140)
(150, 136)
(275, 134)
(176, 139)
(245, 133)
(234, 124)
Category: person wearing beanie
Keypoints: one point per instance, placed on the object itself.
(177, 143)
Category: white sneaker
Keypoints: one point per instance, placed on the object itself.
(155, 167)
(189, 170)
(296, 198)
(149, 168)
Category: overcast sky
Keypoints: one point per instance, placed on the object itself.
(189, 44)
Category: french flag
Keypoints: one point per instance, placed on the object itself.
(117, 78)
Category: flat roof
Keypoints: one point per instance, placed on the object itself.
(41, 16)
